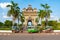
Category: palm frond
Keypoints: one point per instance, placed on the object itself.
(42, 5)
(8, 6)
(9, 13)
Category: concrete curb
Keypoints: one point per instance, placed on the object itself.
(56, 30)
(9, 31)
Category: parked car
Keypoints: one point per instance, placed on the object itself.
(32, 29)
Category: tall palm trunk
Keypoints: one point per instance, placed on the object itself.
(22, 23)
(18, 21)
(46, 18)
(46, 21)
(36, 23)
(41, 21)
(13, 22)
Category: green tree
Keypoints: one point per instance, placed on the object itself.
(13, 11)
(52, 23)
(1, 24)
(22, 18)
(47, 12)
(37, 20)
(8, 23)
(41, 15)
(19, 14)
(58, 26)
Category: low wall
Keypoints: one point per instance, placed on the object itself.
(56, 30)
(6, 31)
(11, 31)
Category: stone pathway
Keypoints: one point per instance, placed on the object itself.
(29, 33)
(32, 36)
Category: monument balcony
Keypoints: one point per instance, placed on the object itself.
(30, 11)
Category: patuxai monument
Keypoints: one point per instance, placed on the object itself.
(30, 15)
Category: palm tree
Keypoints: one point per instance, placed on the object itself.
(47, 12)
(18, 16)
(13, 11)
(22, 18)
(37, 20)
(41, 15)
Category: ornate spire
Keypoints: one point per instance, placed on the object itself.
(29, 5)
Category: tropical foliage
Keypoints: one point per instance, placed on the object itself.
(8, 24)
(14, 10)
(37, 20)
(41, 15)
(47, 12)
(22, 18)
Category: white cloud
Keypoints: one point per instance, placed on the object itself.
(52, 17)
(3, 5)
(6, 17)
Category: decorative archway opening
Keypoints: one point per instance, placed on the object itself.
(29, 22)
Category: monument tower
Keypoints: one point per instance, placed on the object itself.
(30, 15)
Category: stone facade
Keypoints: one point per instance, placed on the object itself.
(30, 15)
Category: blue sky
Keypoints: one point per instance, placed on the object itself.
(55, 7)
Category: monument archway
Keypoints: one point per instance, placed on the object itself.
(29, 23)
(30, 16)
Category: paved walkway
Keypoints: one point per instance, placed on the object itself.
(27, 36)
(26, 33)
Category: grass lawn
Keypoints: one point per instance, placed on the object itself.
(5, 28)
